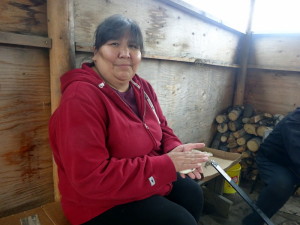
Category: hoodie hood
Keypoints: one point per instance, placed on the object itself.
(86, 74)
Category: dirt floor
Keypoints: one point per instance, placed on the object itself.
(288, 215)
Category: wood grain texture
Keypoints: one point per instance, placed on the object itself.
(167, 31)
(281, 50)
(273, 92)
(25, 156)
(190, 95)
(62, 54)
(26, 40)
(24, 16)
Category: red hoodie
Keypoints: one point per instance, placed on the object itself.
(106, 154)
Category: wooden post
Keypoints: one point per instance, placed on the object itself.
(241, 76)
(62, 54)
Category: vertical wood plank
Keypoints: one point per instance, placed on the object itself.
(24, 17)
(25, 157)
(62, 53)
(241, 76)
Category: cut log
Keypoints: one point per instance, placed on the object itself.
(224, 137)
(253, 144)
(232, 144)
(241, 148)
(267, 122)
(216, 141)
(235, 113)
(239, 133)
(243, 140)
(250, 128)
(238, 149)
(222, 118)
(256, 118)
(262, 129)
(222, 127)
(267, 115)
(246, 154)
(248, 113)
(231, 138)
(235, 125)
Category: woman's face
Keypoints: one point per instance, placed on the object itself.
(117, 62)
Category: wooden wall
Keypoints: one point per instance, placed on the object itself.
(167, 30)
(273, 79)
(190, 61)
(25, 157)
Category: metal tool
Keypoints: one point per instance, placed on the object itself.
(239, 190)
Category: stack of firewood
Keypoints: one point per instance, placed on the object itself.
(241, 130)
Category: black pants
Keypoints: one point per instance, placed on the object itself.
(183, 206)
(280, 186)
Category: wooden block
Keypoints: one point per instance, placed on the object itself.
(222, 118)
(218, 203)
(253, 144)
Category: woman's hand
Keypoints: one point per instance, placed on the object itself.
(184, 158)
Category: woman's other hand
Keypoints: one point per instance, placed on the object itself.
(184, 158)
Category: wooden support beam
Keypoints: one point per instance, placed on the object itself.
(241, 76)
(62, 54)
(26, 40)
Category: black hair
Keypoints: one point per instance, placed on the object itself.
(114, 28)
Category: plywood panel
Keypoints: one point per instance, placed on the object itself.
(24, 16)
(25, 156)
(274, 92)
(191, 95)
(276, 50)
(167, 30)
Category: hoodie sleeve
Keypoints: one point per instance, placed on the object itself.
(78, 132)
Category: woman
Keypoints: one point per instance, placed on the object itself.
(117, 158)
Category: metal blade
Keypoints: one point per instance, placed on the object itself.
(239, 191)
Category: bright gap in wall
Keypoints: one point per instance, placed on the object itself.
(269, 16)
